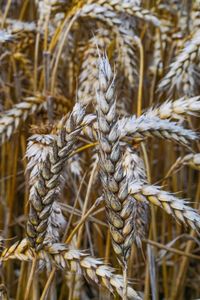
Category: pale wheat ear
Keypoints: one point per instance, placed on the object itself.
(114, 176)
(148, 125)
(176, 109)
(11, 119)
(46, 176)
(72, 260)
(180, 76)
(176, 207)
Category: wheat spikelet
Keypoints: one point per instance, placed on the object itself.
(73, 260)
(176, 109)
(110, 158)
(146, 126)
(168, 202)
(157, 61)
(94, 270)
(90, 132)
(16, 26)
(106, 121)
(25, 66)
(57, 224)
(11, 119)
(182, 73)
(46, 7)
(154, 123)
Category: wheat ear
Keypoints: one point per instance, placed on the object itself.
(73, 260)
(88, 78)
(45, 187)
(176, 109)
(113, 178)
(191, 159)
(11, 119)
(134, 170)
(181, 75)
(147, 126)
(168, 202)
(130, 8)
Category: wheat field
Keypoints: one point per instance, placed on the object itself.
(99, 149)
